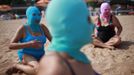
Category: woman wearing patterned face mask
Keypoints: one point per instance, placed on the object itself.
(105, 35)
(29, 39)
(67, 21)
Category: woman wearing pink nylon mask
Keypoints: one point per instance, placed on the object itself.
(105, 10)
(105, 35)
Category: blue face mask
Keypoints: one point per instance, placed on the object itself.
(68, 23)
(33, 18)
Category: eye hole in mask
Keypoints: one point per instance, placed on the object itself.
(34, 14)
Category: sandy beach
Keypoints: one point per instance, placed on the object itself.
(106, 62)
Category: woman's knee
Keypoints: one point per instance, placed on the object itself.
(118, 41)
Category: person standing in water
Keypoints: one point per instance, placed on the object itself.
(29, 39)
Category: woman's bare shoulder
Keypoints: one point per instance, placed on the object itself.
(114, 18)
(21, 31)
(20, 28)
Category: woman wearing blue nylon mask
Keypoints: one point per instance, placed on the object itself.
(29, 39)
(67, 21)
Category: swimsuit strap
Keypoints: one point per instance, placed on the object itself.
(27, 30)
(99, 20)
(41, 29)
(111, 20)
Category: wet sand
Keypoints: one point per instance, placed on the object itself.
(107, 62)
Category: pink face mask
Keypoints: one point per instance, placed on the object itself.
(105, 9)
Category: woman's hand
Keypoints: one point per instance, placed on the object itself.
(93, 36)
(35, 44)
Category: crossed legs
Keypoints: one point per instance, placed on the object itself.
(29, 65)
(114, 41)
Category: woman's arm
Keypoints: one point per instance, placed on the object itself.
(15, 44)
(117, 24)
(46, 32)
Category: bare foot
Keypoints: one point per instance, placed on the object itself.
(12, 70)
(110, 47)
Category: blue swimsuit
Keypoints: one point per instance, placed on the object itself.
(36, 53)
